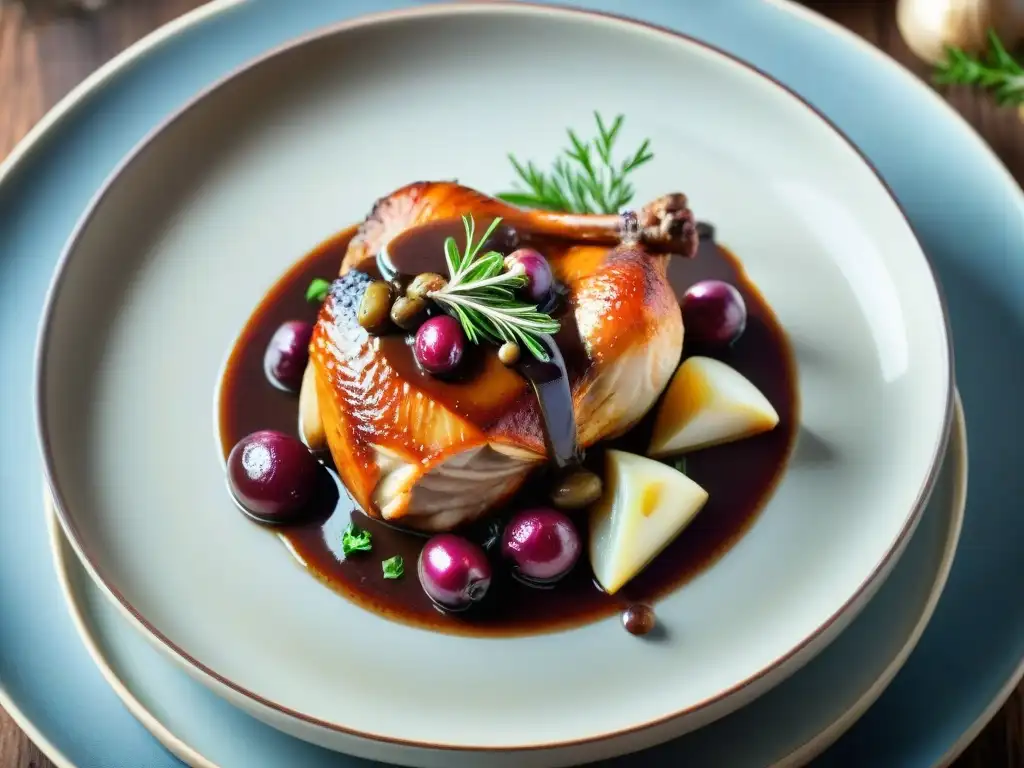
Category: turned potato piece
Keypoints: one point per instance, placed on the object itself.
(645, 505)
(708, 403)
(311, 425)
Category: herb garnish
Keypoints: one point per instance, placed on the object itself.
(585, 180)
(393, 567)
(318, 290)
(480, 294)
(997, 71)
(494, 532)
(355, 539)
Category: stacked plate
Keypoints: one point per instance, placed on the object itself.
(802, 577)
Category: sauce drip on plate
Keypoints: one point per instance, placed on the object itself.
(638, 619)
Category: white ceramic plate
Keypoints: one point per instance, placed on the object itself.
(786, 727)
(180, 247)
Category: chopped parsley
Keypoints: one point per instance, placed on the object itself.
(494, 531)
(394, 567)
(318, 290)
(355, 540)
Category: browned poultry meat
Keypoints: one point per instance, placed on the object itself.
(433, 454)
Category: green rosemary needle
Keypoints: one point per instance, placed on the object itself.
(586, 179)
(997, 71)
(480, 294)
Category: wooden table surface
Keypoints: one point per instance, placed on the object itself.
(43, 55)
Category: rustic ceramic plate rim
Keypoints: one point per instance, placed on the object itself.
(34, 141)
(991, 167)
(442, 9)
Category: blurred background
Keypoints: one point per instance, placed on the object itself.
(48, 46)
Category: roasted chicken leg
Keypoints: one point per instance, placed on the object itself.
(432, 455)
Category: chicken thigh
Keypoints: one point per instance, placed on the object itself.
(433, 454)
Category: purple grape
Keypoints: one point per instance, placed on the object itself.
(714, 313)
(273, 476)
(454, 572)
(539, 278)
(285, 360)
(440, 344)
(543, 543)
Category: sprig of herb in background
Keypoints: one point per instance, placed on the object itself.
(318, 290)
(480, 294)
(587, 179)
(355, 539)
(996, 71)
(393, 567)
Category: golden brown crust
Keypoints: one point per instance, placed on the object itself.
(413, 204)
(372, 401)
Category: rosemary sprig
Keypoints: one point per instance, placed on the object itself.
(586, 180)
(997, 71)
(480, 294)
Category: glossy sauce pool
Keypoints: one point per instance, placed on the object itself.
(248, 402)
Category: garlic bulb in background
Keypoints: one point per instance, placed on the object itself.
(929, 26)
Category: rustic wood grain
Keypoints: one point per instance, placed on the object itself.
(44, 55)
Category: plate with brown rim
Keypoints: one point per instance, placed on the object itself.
(845, 337)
